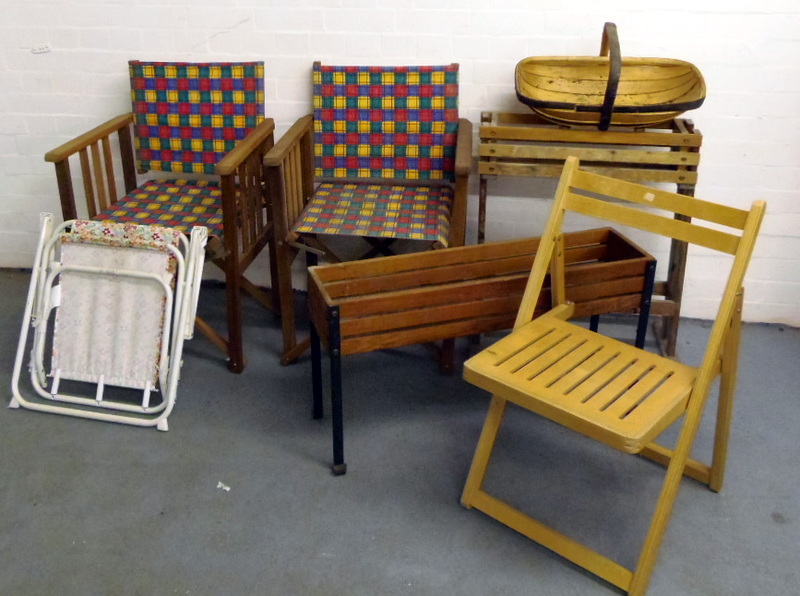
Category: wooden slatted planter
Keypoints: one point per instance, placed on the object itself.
(362, 306)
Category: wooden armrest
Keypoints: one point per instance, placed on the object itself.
(464, 148)
(88, 138)
(462, 170)
(244, 148)
(291, 138)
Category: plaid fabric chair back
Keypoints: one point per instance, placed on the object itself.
(187, 116)
(385, 122)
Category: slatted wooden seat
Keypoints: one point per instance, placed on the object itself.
(608, 391)
(578, 375)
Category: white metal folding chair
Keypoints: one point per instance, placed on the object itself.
(110, 306)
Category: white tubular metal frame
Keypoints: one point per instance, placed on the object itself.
(180, 307)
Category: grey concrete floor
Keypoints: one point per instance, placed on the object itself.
(96, 508)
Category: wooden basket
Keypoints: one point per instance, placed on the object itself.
(609, 90)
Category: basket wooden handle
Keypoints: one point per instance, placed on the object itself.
(609, 46)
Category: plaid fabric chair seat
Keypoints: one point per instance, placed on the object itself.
(377, 211)
(179, 204)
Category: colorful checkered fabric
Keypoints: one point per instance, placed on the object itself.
(385, 122)
(179, 204)
(187, 116)
(414, 212)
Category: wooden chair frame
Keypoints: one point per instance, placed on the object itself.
(588, 194)
(247, 223)
(291, 185)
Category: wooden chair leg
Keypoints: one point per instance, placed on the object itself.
(234, 307)
(474, 496)
(483, 451)
(669, 491)
(727, 388)
(658, 525)
(284, 258)
(634, 583)
(274, 276)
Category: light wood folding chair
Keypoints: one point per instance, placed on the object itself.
(607, 390)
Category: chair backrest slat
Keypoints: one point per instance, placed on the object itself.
(630, 204)
(188, 116)
(111, 180)
(385, 122)
(88, 181)
(652, 222)
(659, 199)
(99, 174)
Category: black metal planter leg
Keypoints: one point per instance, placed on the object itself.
(337, 417)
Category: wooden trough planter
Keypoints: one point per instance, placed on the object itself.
(396, 301)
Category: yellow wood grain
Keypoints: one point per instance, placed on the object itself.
(607, 390)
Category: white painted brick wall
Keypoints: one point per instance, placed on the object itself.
(748, 51)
